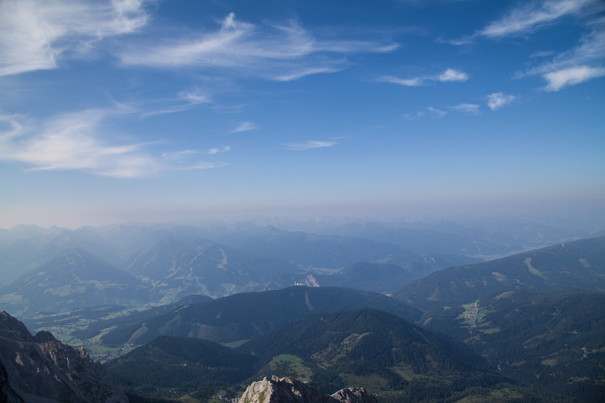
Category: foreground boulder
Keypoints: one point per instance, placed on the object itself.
(290, 390)
(34, 367)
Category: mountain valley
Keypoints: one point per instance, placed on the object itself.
(180, 316)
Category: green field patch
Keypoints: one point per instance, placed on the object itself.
(407, 374)
(11, 298)
(235, 344)
(533, 270)
(138, 333)
(290, 364)
(491, 330)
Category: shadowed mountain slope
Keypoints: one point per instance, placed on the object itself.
(186, 364)
(248, 315)
(39, 367)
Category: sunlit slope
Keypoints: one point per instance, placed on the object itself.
(248, 315)
(579, 264)
(73, 279)
(177, 266)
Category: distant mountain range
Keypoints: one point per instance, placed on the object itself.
(579, 264)
(483, 237)
(377, 277)
(72, 280)
(161, 264)
(176, 266)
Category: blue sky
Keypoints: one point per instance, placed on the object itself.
(137, 110)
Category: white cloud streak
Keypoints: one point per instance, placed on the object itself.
(34, 34)
(74, 142)
(571, 76)
(466, 108)
(452, 75)
(532, 16)
(432, 112)
(218, 150)
(498, 100)
(448, 75)
(195, 97)
(185, 100)
(280, 52)
(577, 65)
(310, 144)
(244, 127)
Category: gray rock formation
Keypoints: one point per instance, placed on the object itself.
(290, 390)
(41, 367)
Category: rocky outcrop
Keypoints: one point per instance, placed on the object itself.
(290, 390)
(7, 394)
(41, 367)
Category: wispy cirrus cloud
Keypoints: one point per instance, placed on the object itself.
(472, 109)
(281, 52)
(244, 127)
(34, 34)
(532, 16)
(218, 150)
(307, 145)
(498, 99)
(79, 141)
(432, 112)
(582, 63)
(184, 100)
(447, 76)
(577, 65)
(528, 18)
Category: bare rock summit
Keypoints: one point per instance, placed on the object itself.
(290, 390)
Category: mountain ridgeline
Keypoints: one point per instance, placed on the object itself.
(57, 270)
(248, 315)
(199, 313)
(579, 264)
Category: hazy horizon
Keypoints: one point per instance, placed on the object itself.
(156, 111)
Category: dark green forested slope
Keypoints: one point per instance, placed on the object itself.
(174, 366)
(381, 352)
(554, 340)
(248, 315)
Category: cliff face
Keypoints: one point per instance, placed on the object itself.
(44, 367)
(290, 390)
